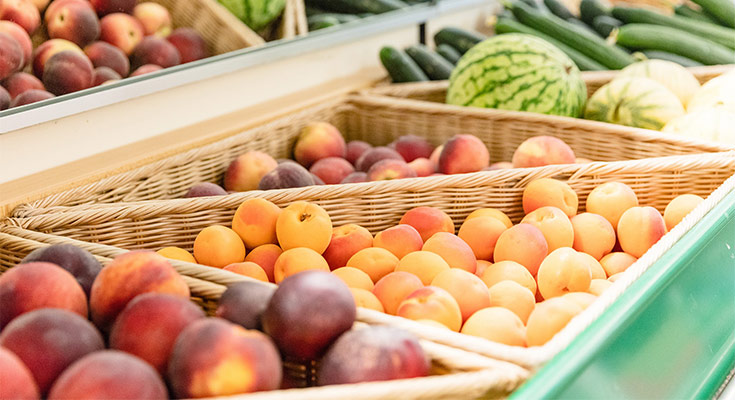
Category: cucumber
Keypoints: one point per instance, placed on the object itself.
(722, 10)
(604, 25)
(321, 21)
(400, 66)
(589, 9)
(506, 25)
(358, 6)
(434, 65)
(688, 12)
(579, 39)
(657, 37)
(663, 55)
(717, 34)
(460, 39)
(558, 9)
(581, 25)
(449, 53)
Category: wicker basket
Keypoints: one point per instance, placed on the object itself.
(377, 206)
(378, 120)
(455, 373)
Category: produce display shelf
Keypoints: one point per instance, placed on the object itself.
(670, 335)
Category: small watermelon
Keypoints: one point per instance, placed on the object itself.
(256, 14)
(518, 72)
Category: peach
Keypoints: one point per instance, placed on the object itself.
(509, 294)
(639, 228)
(218, 246)
(481, 234)
(255, 222)
(79, 262)
(41, 4)
(298, 259)
(204, 189)
(548, 318)
(75, 22)
(149, 325)
(317, 180)
(189, 43)
(482, 265)
(433, 303)
(366, 299)
(455, 251)
(244, 303)
(374, 261)
(213, 357)
(538, 151)
(493, 213)
(393, 288)
(385, 170)
(154, 17)
(30, 96)
(286, 175)
(354, 278)
(355, 177)
(374, 155)
(550, 192)
(304, 224)
(20, 36)
(616, 262)
(508, 270)
(598, 286)
(109, 374)
(121, 30)
(22, 12)
(434, 157)
(424, 264)
(265, 256)
(582, 160)
(554, 224)
(399, 240)
(67, 72)
(48, 49)
(411, 147)
(48, 340)
(332, 170)
(56, 4)
(127, 276)
(428, 221)
(354, 150)
(155, 50)
(318, 304)
(18, 382)
(563, 271)
(346, 241)
(316, 141)
(498, 165)
(39, 284)
(496, 324)
(469, 290)
(248, 268)
(611, 200)
(104, 7)
(246, 171)
(4, 99)
(593, 234)
(422, 167)
(596, 270)
(102, 75)
(145, 69)
(11, 56)
(679, 207)
(524, 244)
(103, 54)
(582, 299)
(462, 154)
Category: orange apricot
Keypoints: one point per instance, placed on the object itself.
(293, 261)
(304, 224)
(469, 290)
(424, 264)
(679, 207)
(434, 303)
(582, 299)
(428, 221)
(497, 324)
(399, 240)
(248, 268)
(548, 318)
(611, 200)
(640, 228)
(509, 270)
(593, 234)
(374, 261)
(492, 213)
(366, 299)
(265, 255)
(345, 242)
(550, 192)
(255, 222)
(616, 262)
(524, 244)
(553, 224)
(218, 246)
(561, 272)
(354, 278)
(597, 286)
(509, 294)
(455, 251)
(481, 234)
(177, 253)
(482, 266)
(393, 288)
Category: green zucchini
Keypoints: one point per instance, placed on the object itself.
(449, 53)
(579, 39)
(460, 39)
(358, 6)
(581, 25)
(589, 9)
(657, 37)
(321, 21)
(722, 10)
(717, 34)
(557, 8)
(434, 65)
(506, 25)
(663, 55)
(688, 12)
(400, 66)
(604, 25)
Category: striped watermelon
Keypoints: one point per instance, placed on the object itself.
(256, 14)
(518, 72)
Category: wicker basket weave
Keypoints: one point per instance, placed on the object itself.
(377, 120)
(456, 373)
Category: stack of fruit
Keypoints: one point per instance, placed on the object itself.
(158, 338)
(514, 284)
(91, 43)
(327, 13)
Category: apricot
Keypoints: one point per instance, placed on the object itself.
(428, 221)
(434, 303)
(616, 262)
(176, 253)
(18, 382)
(611, 200)
(497, 324)
(218, 246)
(366, 299)
(248, 268)
(345, 242)
(550, 192)
(293, 261)
(469, 290)
(354, 278)
(593, 234)
(481, 234)
(598, 286)
(493, 213)
(265, 255)
(640, 228)
(582, 299)
(553, 224)
(482, 265)
(304, 224)
(509, 294)
(423, 264)
(455, 251)
(393, 288)
(563, 271)
(524, 244)
(509, 270)
(374, 261)
(596, 270)
(538, 151)
(399, 240)
(679, 207)
(548, 318)
(255, 222)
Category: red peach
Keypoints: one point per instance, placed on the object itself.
(20, 36)
(18, 382)
(354, 150)
(104, 74)
(104, 7)
(538, 151)
(189, 43)
(316, 141)
(462, 154)
(428, 221)
(498, 165)
(48, 49)
(155, 50)
(155, 18)
(386, 170)
(30, 96)
(434, 157)
(411, 147)
(56, 4)
(146, 69)
(346, 241)
(399, 240)
(4, 99)
(103, 54)
(11, 56)
(67, 72)
(40, 4)
(121, 30)
(355, 177)
(372, 156)
(332, 170)
(265, 256)
(246, 171)
(20, 82)
(75, 22)
(422, 166)
(22, 12)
